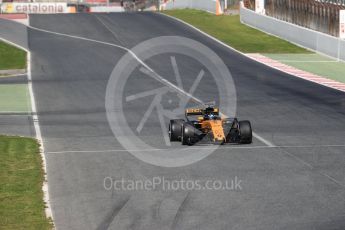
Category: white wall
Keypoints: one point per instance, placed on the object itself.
(207, 5)
(100, 9)
(319, 42)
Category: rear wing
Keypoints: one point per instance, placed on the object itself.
(199, 112)
(194, 112)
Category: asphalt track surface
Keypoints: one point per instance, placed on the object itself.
(15, 123)
(299, 185)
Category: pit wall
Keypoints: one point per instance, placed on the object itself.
(310, 39)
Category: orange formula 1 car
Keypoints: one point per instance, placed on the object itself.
(209, 127)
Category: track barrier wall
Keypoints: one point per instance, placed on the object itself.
(106, 9)
(310, 39)
(212, 6)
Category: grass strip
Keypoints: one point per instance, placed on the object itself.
(21, 179)
(231, 31)
(11, 57)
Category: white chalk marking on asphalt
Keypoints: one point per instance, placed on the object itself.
(155, 75)
(203, 147)
(48, 210)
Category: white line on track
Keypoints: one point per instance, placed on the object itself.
(37, 127)
(263, 140)
(203, 147)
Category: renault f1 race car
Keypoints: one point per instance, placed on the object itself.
(209, 127)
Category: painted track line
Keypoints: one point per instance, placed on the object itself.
(263, 140)
(234, 147)
(45, 189)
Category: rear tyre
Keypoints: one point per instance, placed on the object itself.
(246, 135)
(175, 129)
(187, 134)
(183, 136)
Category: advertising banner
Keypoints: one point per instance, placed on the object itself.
(342, 24)
(34, 8)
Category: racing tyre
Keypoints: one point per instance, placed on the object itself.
(245, 132)
(175, 129)
(187, 133)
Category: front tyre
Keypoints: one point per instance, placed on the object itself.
(246, 135)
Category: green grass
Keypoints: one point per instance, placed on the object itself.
(11, 57)
(21, 178)
(230, 30)
(313, 63)
(14, 98)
